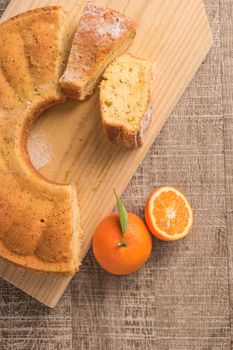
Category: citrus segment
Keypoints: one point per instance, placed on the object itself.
(168, 214)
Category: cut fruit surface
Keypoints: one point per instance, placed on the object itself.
(168, 214)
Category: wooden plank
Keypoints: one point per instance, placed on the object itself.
(227, 93)
(67, 143)
(179, 301)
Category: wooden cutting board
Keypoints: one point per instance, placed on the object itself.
(67, 143)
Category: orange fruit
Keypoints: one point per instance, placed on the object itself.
(168, 214)
(122, 258)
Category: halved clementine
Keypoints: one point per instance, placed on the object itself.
(168, 214)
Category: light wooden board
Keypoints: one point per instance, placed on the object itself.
(67, 143)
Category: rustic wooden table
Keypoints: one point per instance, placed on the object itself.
(183, 298)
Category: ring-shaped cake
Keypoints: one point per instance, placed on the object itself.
(39, 220)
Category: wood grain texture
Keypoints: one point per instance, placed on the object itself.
(182, 299)
(226, 8)
(67, 144)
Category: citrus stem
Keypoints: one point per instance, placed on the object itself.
(123, 244)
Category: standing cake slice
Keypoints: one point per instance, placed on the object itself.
(125, 100)
(101, 36)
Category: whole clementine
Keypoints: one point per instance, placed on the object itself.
(119, 256)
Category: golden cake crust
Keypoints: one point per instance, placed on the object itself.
(102, 35)
(36, 216)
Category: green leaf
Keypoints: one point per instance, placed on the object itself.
(122, 214)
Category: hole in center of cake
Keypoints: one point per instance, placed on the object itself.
(60, 136)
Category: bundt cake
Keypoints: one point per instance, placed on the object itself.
(102, 35)
(39, 220)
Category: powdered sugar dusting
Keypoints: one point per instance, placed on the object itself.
(103, 21)
(113, 29)
(44, 86)
(94, 9)
(146, 121)
(40, 155)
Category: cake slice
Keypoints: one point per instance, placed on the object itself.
(125, 100)
(101, 36)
